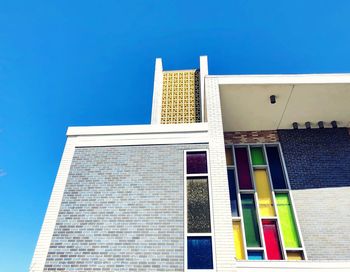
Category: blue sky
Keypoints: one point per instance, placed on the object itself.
(70, 63)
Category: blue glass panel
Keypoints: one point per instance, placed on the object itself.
(233, 192)
(199, 253)
(255, 255)
(275, 165)
(197, 162)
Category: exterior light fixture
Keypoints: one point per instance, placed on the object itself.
(334, 124)
(320, 124)
(272, 99)
(295, 125)
(308, 125)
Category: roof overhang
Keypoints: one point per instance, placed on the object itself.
(246, 106)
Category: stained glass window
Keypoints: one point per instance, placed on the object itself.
(199, 247)
(263, 220)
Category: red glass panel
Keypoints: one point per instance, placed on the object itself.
(272, 243)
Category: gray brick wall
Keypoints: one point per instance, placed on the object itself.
(324, 218)
(122, 210)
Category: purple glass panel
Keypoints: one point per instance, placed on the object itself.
(243, 171)
(197, 162)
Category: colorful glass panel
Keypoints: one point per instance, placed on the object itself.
(272, 243)
(264, 193)
(250, 222)
(275, 165)
(199, 253)
(229, 156)
(286, 217)
(254, 255)
(294, 255)
(233, 192)
(243, 169)
(257, 156)
(197, 162)
(238, 239)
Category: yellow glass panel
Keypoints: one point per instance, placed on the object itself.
(294, 256)
(237, 236)
(229, 156)
(264, 193)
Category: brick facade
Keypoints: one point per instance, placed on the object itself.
(316, 158)
(316, 161)
(324, 220)
(242, 137)
(122, 210)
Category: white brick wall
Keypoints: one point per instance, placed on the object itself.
(224, 246)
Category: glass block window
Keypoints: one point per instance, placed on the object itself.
(181, 97)
(264, 223)
(199, 244)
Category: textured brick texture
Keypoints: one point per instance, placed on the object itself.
(122, 210)
(316, 158)
(242, 137)
(318, 165)
(224, 246)
(324, 219)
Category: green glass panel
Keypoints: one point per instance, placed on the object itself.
(257, 156)
(250, 222)
(286, 217)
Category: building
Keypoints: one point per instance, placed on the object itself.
(235, 173)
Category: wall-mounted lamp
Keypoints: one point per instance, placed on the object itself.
(308, 125)
(320, 124)
(334, 124)
(272, 99)
(295, 125)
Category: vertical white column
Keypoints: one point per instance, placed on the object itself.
(224, 245)
(157, 92)
(203, 68)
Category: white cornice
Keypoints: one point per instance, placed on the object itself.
(137, 129)
(283, 79)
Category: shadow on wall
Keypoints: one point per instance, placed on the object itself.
(316, 158)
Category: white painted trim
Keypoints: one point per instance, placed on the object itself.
(157, 92)
(140, 134)
(146, 139)
(283, 79)
(299, 266)
(47, 230)
(136, 129)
